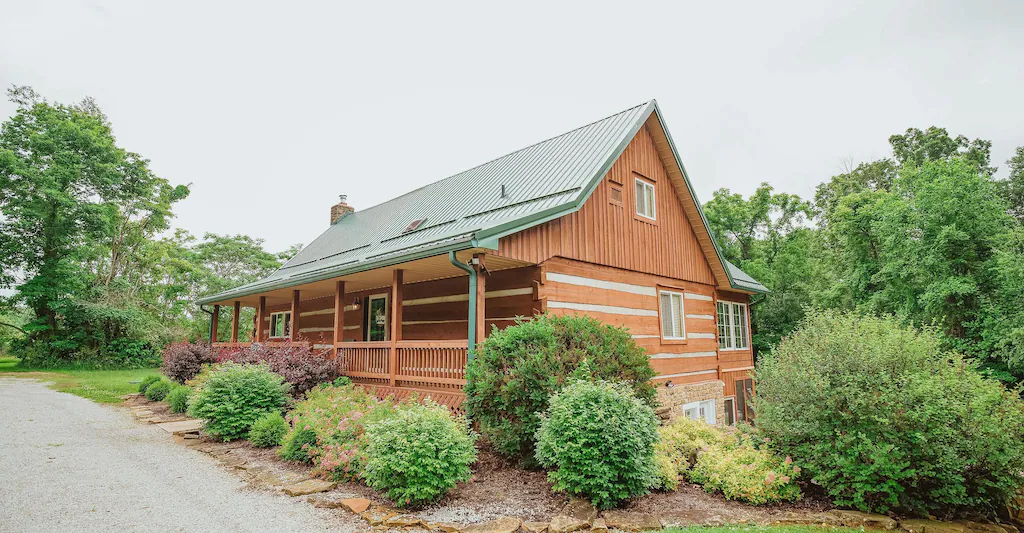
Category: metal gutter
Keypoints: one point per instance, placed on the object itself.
(202, 307)
(472, 303)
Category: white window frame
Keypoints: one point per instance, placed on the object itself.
(680, 320)
(286, 329)
(725, 403)
(731, 333)
(692, 411)
(654, 199)
(387, 314)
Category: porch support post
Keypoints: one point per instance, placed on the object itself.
(481, 298)
(261, 316)
(396, 321)
(234, 321)
(293, 332)
(213, 323)
(339, 315)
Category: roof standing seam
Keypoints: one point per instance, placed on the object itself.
(540, 181)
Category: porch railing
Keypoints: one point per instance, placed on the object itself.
(411, 364)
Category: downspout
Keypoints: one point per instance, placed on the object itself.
(472, 302)
(202, 307)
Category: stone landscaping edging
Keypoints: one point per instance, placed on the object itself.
(577, 516)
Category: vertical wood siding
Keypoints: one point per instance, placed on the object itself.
(608, 232)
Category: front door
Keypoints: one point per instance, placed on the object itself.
(377, 318)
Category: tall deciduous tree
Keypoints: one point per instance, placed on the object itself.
(67, 192)
(766, 236)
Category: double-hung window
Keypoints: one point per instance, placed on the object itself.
(280, 324)
(673, 324)
(645, 199)
(732, 326)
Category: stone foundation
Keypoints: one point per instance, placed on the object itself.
(672, 399)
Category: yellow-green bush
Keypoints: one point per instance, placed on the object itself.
(678, 446)
(722, 460)
(743, 472)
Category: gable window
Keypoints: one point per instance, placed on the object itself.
(732, 326)
(645, 199)
(704, 410)
(280, 324)
(672, 322)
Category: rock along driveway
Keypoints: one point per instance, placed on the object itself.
(67, 464)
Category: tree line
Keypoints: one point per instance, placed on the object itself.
(928, 235)
(85, 244)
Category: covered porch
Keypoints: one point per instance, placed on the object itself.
(401, 329)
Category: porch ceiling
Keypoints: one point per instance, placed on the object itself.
(426, 269)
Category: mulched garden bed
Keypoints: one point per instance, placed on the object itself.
(500, 489)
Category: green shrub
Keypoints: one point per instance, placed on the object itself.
(518, 368)
(235, 396)
(147, 381)
(158, 391)
(268, 431)
(678, 446)
(177, 399)
(418, 454)
(329, 429)
(600, 439)
(298, 444)
(741, 471)
(883, 419)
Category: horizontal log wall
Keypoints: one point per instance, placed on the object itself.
(630, 299)
(432, 310)
(607, 231)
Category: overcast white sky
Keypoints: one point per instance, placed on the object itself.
(272, 110)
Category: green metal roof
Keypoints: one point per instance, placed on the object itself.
(742, 280)
(540, 182)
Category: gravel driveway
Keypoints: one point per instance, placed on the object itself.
(67, 464)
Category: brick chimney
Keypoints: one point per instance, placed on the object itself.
(340, 209)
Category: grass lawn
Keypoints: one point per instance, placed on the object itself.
(761, 529)
(103, 386)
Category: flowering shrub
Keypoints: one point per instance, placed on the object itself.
(268, 430)
(599, 439)
(338, 417)
(234, 396)
(419, 453)
(299, 365)
(678, 446)
(158, 390)
(183, 360)
(741, 471)
(177, 399)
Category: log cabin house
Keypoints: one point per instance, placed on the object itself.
(601, 220)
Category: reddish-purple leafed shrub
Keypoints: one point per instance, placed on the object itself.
(301, 366)
(183, 360)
